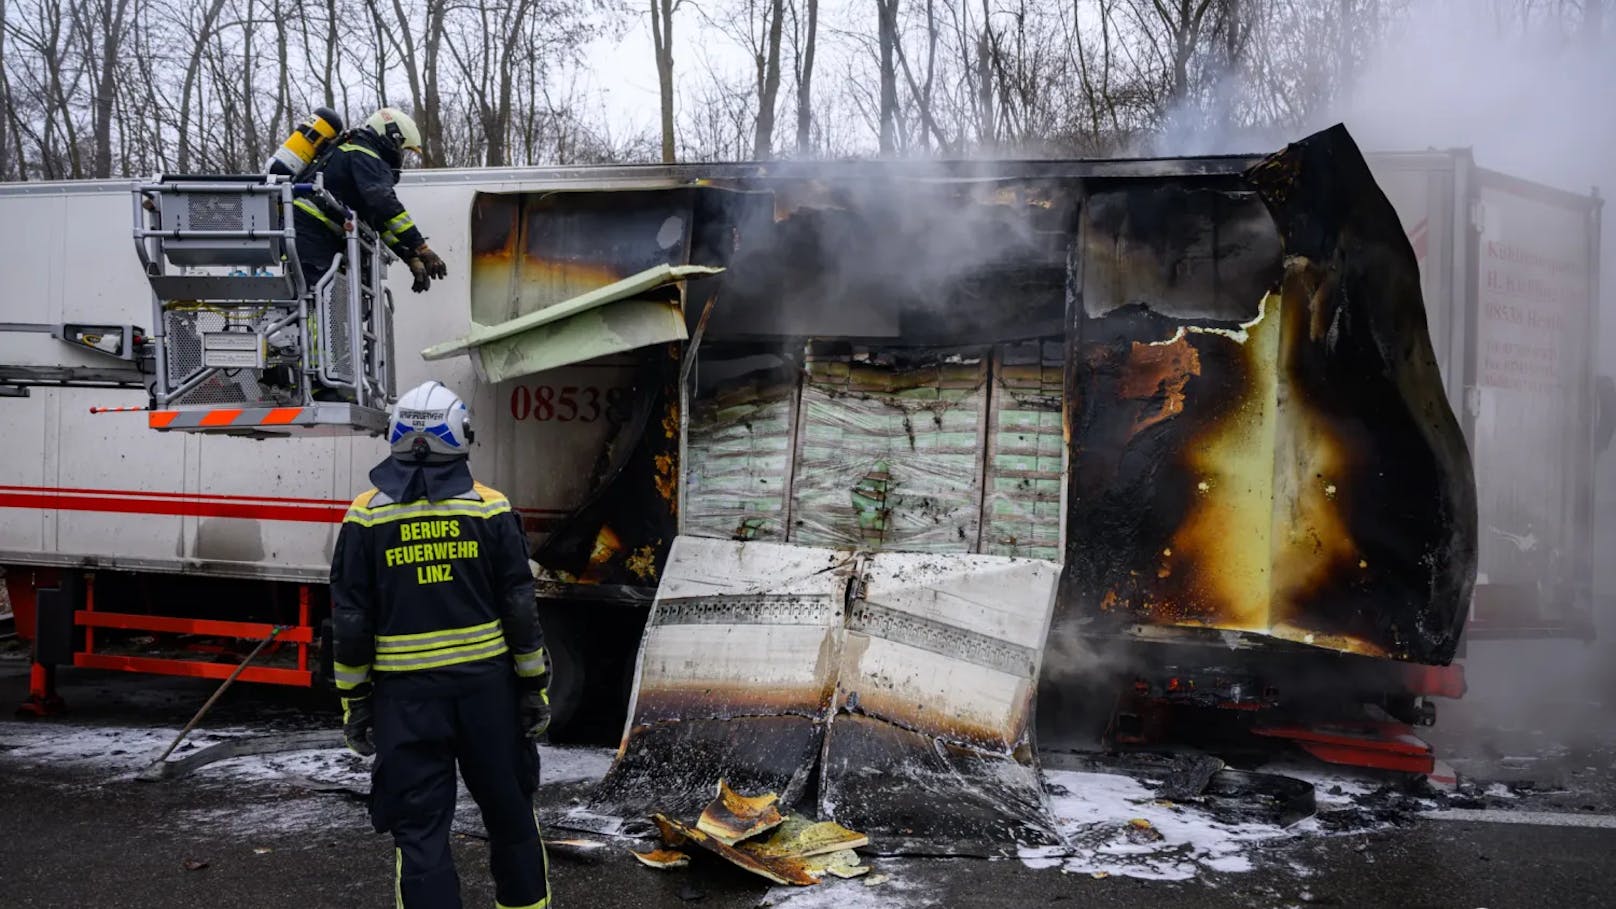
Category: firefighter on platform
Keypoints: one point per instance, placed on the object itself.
(439, 657)
(361, 173)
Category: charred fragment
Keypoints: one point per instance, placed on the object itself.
(733, 817)
(802, 837)
(736, 675)
(889, 677)
(782, 870)
(662, 859)
(750, 833)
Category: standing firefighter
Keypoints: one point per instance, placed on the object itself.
(361, 173)
(439, 657)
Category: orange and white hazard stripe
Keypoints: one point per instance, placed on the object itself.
(223, 417)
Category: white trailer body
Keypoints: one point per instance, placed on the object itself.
(104, 490)
(1509, 273)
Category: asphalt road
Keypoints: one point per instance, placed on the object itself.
(73, 839)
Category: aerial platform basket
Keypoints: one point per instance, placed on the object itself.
(242, 345)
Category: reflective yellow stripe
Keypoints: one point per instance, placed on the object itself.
(390, 238)
(544, 865)
(541, 904)
(384, 514)
(398, 878)
(437, 659)
(313, 211)
(351, 676)
(347, 706)
(434, 638)
(359, 148)
(400, 222)
(395, 648)
(530, 665)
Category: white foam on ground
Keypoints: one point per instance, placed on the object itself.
(302, 814)
(574, 764)
(1094, 815)
(101, 749)
(834, 893)
(1500, 791)
(332, 766)
(122, 750)
(1333, 787)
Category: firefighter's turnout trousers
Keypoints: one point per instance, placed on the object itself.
(420, 738)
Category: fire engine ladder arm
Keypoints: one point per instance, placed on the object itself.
(89, 356)
(625, 315)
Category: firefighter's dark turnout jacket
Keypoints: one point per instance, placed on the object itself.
(434, 618)
(361, 174)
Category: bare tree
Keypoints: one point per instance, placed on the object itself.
(768, 66)
(887, 42)
(200, 36)
(6, 107)
(921, 92)
(804, 67)
(662, 41)
(1174, 29)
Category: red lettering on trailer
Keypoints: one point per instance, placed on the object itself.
(567, 403)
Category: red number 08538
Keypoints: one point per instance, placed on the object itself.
(584, 403)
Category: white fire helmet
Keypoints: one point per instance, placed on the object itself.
(430, 422)
(397, 126)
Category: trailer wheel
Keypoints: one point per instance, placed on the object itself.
(567, 670)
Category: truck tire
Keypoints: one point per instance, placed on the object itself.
(567, 671)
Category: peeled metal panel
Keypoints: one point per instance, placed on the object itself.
(735, 677)
(930, 746)
(1229, 472)
(930, 674)
(1420, 187)
(614, 328)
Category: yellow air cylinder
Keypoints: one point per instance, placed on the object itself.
(299, 149)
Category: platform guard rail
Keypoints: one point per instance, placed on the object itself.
(241, 344)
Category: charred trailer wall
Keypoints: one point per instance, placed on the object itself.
(1260, 439)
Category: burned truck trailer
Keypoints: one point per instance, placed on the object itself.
(1205, 388)
(1022, 360)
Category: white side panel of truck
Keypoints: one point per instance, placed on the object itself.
(1509, 275)
(106, 490)
(1535, 340)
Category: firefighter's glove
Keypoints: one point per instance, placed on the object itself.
(418, 271)
(358, 725)
(434, 264)
(535, 713)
